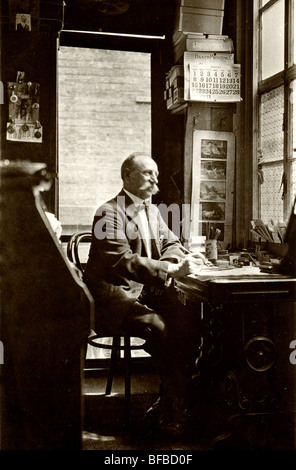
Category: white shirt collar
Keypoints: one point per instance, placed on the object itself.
(134, 198)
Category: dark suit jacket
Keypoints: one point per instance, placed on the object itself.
(20, 27)
(118, 265)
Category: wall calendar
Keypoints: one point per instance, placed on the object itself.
(212, 77)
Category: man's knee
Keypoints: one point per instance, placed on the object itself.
(146, 319)
(155, 322)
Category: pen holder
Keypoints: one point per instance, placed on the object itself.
(211, 249)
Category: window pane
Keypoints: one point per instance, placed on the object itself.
(294, 33)
(104, 115)
(271, 125)
(273, 40)
(271, 194)
(293, 179)
(293, 166)
(272, 148)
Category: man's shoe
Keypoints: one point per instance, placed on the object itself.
(178, 426)
(158, 413)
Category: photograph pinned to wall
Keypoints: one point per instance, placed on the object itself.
(213, 170)
(24, 15)
(212, 211)
(23, 22)
(213, 190)
(213, 148)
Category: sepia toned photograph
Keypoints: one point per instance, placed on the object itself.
(23, 22)
(214, 190)
(212, 211)
(213, 149)
(213, 170)
(147, 229)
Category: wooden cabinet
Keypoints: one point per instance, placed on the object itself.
(45, 320)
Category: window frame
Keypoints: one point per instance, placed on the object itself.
(284, 77)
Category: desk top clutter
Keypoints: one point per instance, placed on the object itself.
(266, 250)
(209, 273)
(270, 231)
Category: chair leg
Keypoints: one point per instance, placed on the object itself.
(113, 360)
(127, 365)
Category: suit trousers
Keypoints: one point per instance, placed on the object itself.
(172, 334)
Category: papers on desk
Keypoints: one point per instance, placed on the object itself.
(208, 273)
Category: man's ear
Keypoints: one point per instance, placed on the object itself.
(126, 173)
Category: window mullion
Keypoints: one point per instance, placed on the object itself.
(288, 117)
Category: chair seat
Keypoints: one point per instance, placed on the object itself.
(92, 340)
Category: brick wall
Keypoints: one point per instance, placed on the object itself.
(104, 115)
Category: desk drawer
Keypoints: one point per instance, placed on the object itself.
(276, 291)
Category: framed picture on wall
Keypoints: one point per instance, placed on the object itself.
(213, 184)
(24, 15)
(22, 22)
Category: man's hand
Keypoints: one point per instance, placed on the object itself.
(189, 265)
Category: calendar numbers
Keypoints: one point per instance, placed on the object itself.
(209, 82)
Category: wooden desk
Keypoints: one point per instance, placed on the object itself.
(248, 323)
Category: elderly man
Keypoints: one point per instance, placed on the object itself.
(133, 258)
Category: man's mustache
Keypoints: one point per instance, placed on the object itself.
(155, 189)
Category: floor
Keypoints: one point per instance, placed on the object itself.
(104, 422)
(105, 429)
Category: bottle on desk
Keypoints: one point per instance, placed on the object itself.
(244, 258)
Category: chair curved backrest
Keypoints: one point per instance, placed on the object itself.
(94, 339)
(74, 245)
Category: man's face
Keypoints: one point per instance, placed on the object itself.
(142, 178)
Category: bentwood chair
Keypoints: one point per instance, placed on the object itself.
(74, 255)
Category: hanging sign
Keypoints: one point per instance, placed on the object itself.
(24, 109)
(211, 77)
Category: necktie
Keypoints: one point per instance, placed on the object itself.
(154, 252)
(146, 206)
(145, 226)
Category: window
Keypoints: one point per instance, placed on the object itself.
(104, 100)
(276, 110)
(272, 39)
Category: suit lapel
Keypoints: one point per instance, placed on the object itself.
(134, 221)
